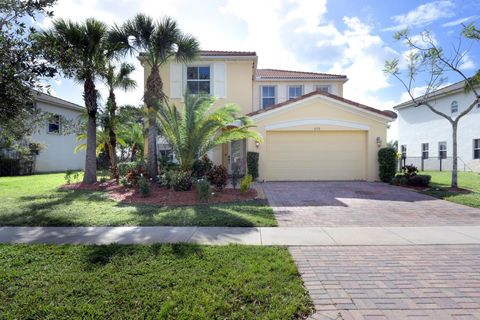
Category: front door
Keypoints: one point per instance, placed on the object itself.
(235, 155)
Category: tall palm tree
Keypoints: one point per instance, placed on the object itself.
(78, 50)
(198, 128)
(116, 80)
(156, 42)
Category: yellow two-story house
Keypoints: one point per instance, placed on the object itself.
(310, 131)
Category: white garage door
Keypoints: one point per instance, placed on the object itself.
(323, 155)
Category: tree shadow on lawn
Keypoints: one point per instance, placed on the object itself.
(95, 256)
(223, 214)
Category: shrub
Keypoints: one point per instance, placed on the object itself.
(203, 189)
(245, 183)
(123, 181)
(419, 180)
(201, 167)
(124, 167)
(71, 175)
(252, 164)
(399, 180)
(179, 180)
(409, 170)
(218, 176)
(143, 186)
(131, 171)
(387, 161)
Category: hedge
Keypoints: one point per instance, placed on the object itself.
(252, 164)
(387, 160)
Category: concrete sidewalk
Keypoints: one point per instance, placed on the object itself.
(314, 236)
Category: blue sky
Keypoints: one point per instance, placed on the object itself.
(341, 36)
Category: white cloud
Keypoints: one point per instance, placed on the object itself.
(467, 63)
(423, 15)
(458, 21)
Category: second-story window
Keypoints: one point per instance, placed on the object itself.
(268, 96)
(454, 107)
(442, 150)
(198, 80)
(424, 150)
(294, 92)
(476, 148)
(54, 124)
(323, 88)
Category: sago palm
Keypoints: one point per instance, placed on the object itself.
(115, 78)
(156, 42)
(196, 129)
(78, 50)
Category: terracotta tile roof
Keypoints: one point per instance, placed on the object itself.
(217, 53)
(385, 113)
(288, 74)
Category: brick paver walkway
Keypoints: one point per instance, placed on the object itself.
(392, 282)
(342, 204)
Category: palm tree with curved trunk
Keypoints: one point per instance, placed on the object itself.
(116, 79)
(156, 43)
(198, 128)
(78, 49)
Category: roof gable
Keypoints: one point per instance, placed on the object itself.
(385, 113)
(264, 74)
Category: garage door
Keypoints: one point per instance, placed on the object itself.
(323, 155)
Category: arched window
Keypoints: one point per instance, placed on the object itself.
(454, 107)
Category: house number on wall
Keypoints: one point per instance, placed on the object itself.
(316, 129)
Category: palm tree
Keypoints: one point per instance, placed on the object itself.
(156, 42)
(78, 50)
(134, 139)
(116, 80)
(197, 129)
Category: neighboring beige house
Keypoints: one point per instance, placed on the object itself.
(310, 131)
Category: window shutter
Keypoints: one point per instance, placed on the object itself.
(176, 80)
(219, 79)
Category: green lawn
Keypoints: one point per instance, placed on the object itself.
(150, 282)
(466, 180)
(36, 201)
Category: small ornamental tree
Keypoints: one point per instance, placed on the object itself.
(387, 161)
(428, 60)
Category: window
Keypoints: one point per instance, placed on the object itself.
(442, 150)
(198, 80)
(268, 96)
(404, 151)
(323, 88)
(424, 150)
(454, 107)
(294, 92)
(54, 124)
(476, 148)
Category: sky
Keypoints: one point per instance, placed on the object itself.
(353, 38)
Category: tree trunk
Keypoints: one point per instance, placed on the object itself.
(454, 154)
(153, 96)
(90, 97)
(113, 136)
(134, 152)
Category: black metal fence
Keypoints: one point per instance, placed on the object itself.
(433, 163)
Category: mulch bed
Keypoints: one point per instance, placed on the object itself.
(445, 189)
(160, 195)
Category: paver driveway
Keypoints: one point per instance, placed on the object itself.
(341, 204)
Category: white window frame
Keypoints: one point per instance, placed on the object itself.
(453, 105)
(57, 122)
(441, 150)
(477, 148)
(210, 80)
(296, 86)
(425, 150)
(318, 87)
(261, 94)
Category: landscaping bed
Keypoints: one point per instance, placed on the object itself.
(150, 282)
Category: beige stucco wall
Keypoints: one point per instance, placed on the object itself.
(282, 89)
(321, 108)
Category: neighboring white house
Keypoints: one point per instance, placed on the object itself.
(425, 139)
(57, 154)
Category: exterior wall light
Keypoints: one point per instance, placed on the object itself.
(379, 142)
(257, 144)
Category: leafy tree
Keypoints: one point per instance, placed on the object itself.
(21, 66)
(115, 79)
(156, 42)
(428, 59)
(198, 128)
(79, 51)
